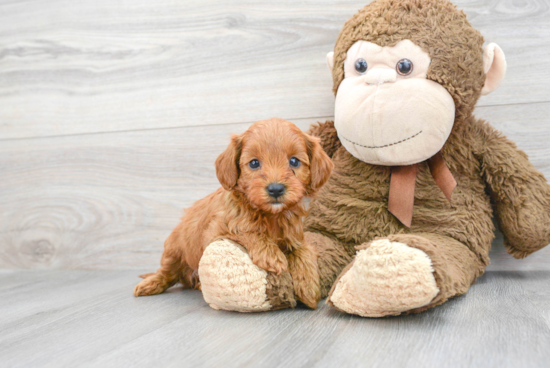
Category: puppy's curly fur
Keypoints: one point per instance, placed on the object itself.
(270, 228)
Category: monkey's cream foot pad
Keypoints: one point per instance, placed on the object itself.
(387, 278)
(230, 281)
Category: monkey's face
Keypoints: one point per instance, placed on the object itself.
(387, 112)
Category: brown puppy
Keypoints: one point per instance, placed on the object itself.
(265, 173)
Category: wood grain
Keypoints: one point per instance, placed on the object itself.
(103, 200)
(537, 287)
(71, 67)
(109, 200)
(90, 318)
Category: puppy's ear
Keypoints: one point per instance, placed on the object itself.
(227, 164)
(320, 165)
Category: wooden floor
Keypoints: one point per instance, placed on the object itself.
(111, 116)
(90, 318)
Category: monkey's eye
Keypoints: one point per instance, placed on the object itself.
(361, 66)
(294, 162)
(254, 164)
(404, 67)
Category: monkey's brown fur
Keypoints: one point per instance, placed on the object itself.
(243, 211)
(493, 176)
(438, 28)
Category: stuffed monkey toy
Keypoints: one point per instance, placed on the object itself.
(405, 221)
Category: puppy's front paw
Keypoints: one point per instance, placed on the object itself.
(152, 285)
(306, 288)
(308, 293)
(305, 279)
(270, 259)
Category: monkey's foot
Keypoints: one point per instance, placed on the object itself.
(385, 278)
(230, 281)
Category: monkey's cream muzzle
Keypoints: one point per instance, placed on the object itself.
(386, 118)
(379, 76)
(393, 123)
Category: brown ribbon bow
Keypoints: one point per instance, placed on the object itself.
(402, 183)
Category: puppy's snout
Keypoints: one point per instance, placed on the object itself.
(276, 190)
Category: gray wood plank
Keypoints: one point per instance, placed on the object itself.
(537, 286)
(71, 67)
(65, 324)
(108, 201)
(494, 325)
(34, 300)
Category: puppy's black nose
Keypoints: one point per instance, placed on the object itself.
(276, 189)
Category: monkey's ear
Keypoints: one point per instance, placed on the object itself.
(227, 164)
(320, 165)
(494, 65)
(330, 60)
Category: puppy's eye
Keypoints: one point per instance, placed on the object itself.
(404, 67)
(361, 66)
(254, 164)
(294, 162)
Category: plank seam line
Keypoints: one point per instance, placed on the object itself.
(148, 129)
(214, 125)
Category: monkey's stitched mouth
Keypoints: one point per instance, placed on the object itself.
(386, 145)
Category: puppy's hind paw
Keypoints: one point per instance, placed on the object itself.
(152, 285)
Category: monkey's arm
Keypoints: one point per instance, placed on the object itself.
(327, 133)
(520, 193)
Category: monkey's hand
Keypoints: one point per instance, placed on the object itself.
(520, 193)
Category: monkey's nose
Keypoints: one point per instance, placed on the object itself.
(276, 190)
(380, 76)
